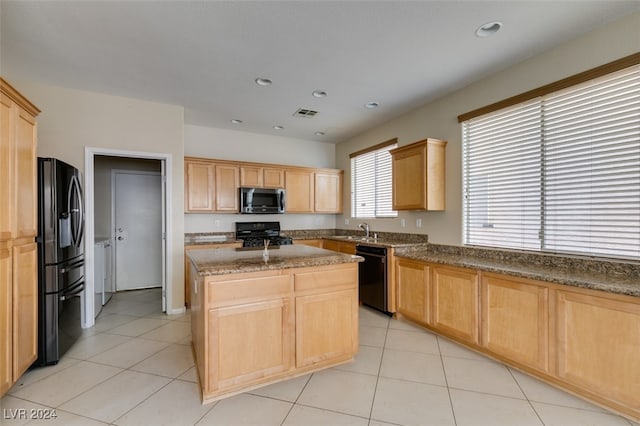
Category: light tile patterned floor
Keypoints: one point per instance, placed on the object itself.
(135, 367)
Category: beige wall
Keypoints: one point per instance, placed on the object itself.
(439, 120)
(244, 146)
(73, 119)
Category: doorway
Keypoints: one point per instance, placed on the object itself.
(137, 228)
(135, 173)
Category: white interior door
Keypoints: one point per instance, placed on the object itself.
(137, 222)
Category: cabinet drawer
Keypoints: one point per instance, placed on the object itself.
(333, 276)
(247, 290)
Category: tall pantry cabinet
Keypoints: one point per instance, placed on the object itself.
(18, 228)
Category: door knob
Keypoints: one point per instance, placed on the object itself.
(120, 238)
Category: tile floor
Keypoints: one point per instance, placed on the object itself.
(135, 367)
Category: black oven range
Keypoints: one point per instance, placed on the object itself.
(253, 234)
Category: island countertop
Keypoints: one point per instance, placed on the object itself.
(231, 261)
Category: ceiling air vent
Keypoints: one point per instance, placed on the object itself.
(305, 113)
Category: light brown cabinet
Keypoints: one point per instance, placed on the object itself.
(18, 222)
(598, 346)
(455, 301)
(227, 182)
(515, 319)
(418, 174)
(299, 185)
(328, 192)
(293, 321)
(414, 287)
(326, 315)
(261, 177)
(311, 242)
(199, 187)
(340, 246)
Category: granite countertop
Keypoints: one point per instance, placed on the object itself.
(590, 274)
(229, 260)
(376, 242)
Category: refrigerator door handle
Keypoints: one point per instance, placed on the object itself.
(76, 214)
(73, 291)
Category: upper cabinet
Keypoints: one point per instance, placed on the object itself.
(211, 186)
(419, 175)
(328, 191)
(261, 177)
(299, 185)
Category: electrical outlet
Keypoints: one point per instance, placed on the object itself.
(403, 223)
(346, 221)
(418, 223)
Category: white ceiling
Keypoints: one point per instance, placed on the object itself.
(205, 56)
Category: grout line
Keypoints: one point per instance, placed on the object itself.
(375, 389)
(446, 382)
(296, 400)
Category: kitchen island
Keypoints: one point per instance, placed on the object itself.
(256, 320)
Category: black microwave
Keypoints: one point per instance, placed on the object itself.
(262, 201)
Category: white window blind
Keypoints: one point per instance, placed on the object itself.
(371, 184)
(558, 173)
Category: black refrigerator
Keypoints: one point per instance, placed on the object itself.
(60, 258)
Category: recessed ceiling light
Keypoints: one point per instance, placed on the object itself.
(319, 133)
(263, 81)
(236, 121)
(488, 29)
(371, 105)
(278, 127)
(319, 93)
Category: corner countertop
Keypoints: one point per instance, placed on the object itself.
(231, 261)
(376, 242)
(612, 277)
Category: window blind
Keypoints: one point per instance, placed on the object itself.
(371, 184)
(558, 173)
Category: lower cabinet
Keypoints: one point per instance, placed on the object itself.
(455, 302)
(340, 246)
(18, 311)
(598, 346)
(413, 290)
(249, 342)
(325, 326)
(515, 320)
(311, 242)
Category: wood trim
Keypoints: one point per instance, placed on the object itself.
(204, 160)
(573, 80)
(17, 97)
(374, 147)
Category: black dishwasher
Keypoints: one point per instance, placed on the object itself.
(373, 277)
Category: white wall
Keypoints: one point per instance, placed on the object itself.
(236, 145)
(73, 119)
(439, 120)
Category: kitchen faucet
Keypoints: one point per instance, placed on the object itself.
(365, 227)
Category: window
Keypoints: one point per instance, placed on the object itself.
(558, 173)
(371, 182)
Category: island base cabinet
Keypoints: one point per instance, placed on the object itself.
(599, 347)
(248, 342)
(326, 327)
(455, 302)
(515, 320)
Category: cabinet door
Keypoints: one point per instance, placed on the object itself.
(413, 290)
(272, 177)
(25, 307)
(6, 321)
(299, 186)
(6, 169)
(328, 192)
(598, 346)
(227, 183)
(26, 174)
(199, 189)
(248, 342)
(515, 320)
(312, 243)
(251, 176)
(410, 179)
(455, 302)
(326, 326)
